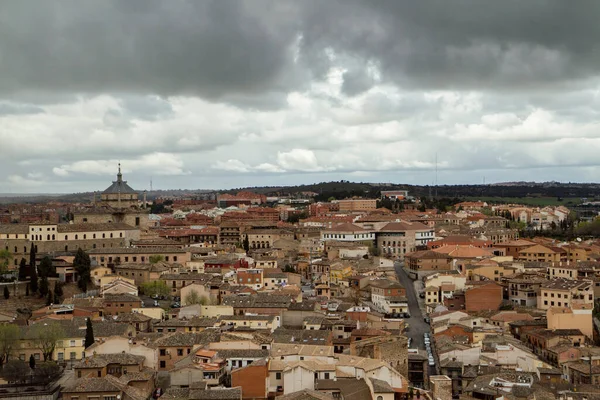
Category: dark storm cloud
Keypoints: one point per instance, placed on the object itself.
(7, 108)
(233, 50)
(207, 48)
(463, 44)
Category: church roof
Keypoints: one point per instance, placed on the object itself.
(119, 186)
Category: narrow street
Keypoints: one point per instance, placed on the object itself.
(417, 326)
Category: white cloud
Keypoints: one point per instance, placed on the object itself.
(155, 163)
(299, 160)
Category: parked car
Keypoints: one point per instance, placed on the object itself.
(409, 341)
(175, 305)
(431, 361)
(406, 315)
(422, 295)
(427, 320)
(156, 303)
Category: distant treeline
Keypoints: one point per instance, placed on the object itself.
(345, 189)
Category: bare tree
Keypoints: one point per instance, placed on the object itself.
(9, 336)
(45, 336)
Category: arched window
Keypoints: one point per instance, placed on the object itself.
(379, 397)
(47, 237)
(84, 236)
(53, 237)
(76, 237)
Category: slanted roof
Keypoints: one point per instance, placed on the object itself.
(119, 186)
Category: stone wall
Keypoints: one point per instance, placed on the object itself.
(392, 349)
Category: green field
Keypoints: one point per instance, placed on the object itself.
(531, 201)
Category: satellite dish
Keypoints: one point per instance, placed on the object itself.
(579, 239)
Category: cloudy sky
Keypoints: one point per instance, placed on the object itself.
(221, 94)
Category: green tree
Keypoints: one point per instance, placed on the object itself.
(411, 392)
(156, 258)
(289, 268)
(46, 371)
(46, 267)
(32, 257)
(27, 290)
(6, 293)
(23, 269)
(15, 371)
(82, 265)
(33, 279)
(44, 286)
(194, 297)
(246, 243)
(58, 291)
(9, 337)
(45, 336)
(49, 298)
(5, 257)
(155, 288)
(32, 362)
(89, 333)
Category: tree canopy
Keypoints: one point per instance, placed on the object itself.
(5, 258)
(155, 288)
(9, 336)
(45, 336)
(194, 297)
(82, 265)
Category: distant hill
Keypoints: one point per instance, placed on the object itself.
(344, 189)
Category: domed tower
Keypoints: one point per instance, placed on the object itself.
(119, 194)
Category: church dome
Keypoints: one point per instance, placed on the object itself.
(119, 186)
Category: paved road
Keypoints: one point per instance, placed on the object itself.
(417, 326)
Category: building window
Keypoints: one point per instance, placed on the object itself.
(163, 364)
(278, 375)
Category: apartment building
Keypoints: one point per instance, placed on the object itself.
(564, 293)
(395, 239)
(357, 204)
(428, 260)
(543, 254)
(52, 238)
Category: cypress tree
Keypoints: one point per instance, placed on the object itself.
(32, 257)
(33, 280)
(27, 290)
(58, 290)
(49, 298)
(32, 362)
(6, 293)
(23, 269)
(89, 333)
(44, 286)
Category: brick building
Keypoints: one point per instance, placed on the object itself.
(116, 304)
(252, 379)
(483, 297)
(428, 260)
